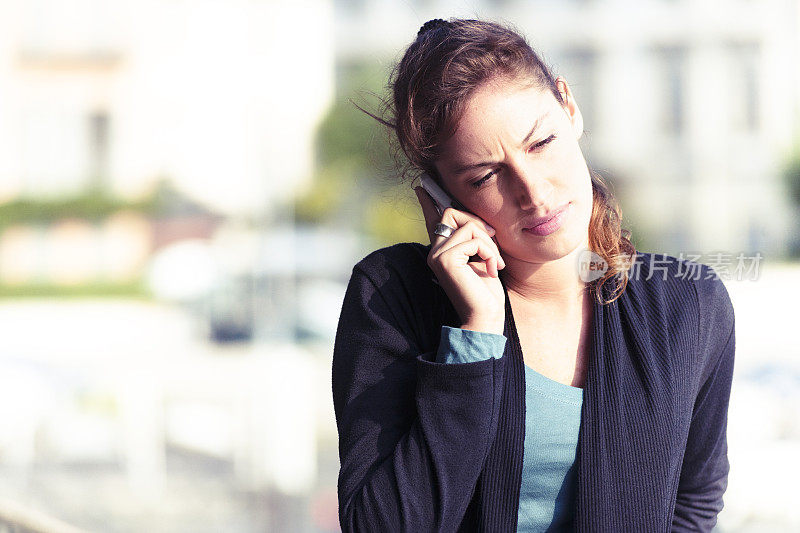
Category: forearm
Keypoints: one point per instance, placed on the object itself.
(704, 475)
(424, 483)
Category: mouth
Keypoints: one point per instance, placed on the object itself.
(533, 222)
(548, 223)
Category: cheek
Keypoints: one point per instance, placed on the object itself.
(490, 211)
(583, 199)
(574, 172)
(569, 160)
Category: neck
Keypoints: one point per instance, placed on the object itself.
(553, 284)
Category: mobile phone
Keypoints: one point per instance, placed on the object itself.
(440, 197)
(442, 200)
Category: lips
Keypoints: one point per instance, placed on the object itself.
(533, 222)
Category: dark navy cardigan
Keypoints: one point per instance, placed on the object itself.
(426, 446)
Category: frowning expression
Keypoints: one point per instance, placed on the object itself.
(514, 160)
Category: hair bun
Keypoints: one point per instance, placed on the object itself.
(432, 25)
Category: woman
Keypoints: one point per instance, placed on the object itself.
(483, 383)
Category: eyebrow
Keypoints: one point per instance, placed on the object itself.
(462, 169)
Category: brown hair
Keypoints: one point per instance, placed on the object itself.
(434, 79)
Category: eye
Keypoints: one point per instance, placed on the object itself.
(483, 180)
(477, 184)
(543, 142)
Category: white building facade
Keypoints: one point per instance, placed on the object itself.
(689, 106)
(222, 97)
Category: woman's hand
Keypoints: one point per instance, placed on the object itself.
(473, 287)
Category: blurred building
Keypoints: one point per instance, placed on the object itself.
(689, 106)
(220, 98)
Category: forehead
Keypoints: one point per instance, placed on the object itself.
(498, 111)
(502, 98)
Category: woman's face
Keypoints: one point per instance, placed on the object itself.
(514, 158)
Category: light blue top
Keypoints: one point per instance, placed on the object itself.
(552, 421)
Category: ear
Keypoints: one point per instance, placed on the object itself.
(570, 107)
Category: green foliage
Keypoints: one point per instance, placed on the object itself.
(347, 133)
(357, 183)
(791, 177)
(791, 180)
(642, 240)
(93, 204)
(328, 194)
(135, 289)
(397, 218)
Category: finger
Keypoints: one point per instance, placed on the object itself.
(497, 262)
(502, 263)
(471, 230)
(457, 219)
(460, 253)
(454, 217)
(429, 211)
(479, 262)
(491, 266)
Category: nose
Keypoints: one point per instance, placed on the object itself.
(530, 186)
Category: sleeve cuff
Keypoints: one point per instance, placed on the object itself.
(466, 346)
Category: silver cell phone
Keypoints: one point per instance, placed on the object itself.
(444, 200)
(440, 197)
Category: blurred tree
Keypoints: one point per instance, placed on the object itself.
(357, 180)
(96, 203)
(791, 178)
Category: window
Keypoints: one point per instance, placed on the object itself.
(671, 68)
(98, 148)
(744, 86)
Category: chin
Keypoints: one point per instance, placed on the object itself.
(553, 250)
(534, 249)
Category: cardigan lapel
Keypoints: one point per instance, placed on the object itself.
(627, 425)
(593, 476)
(501, 481)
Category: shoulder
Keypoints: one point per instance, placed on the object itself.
(400, 273)
(397, 280)
(684, 297)
(407, 260)
(681, 281)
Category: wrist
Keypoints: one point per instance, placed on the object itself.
(487, 326)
